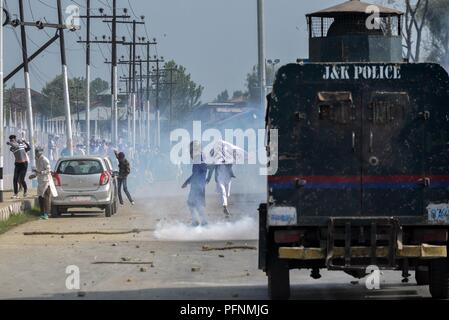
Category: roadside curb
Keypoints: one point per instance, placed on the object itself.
(16, 208)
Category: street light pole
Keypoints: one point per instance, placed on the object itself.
(261, 46)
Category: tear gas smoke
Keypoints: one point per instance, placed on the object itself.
(245, 228)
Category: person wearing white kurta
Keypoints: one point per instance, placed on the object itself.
(45, 185)
(223, 179)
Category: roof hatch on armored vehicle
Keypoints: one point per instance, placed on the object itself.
(335, 106)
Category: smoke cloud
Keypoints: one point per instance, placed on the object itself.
(245, 228)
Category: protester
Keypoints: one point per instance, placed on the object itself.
(197, 181)
(65, 152)
(124, 171)
(223, 180)
(79, 150)
(221, 159)
(45, 185)
(19, 148)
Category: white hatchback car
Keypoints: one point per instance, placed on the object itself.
(84, 182)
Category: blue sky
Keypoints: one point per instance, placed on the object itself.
(216, 40)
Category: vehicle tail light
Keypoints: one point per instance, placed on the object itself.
(288, 236)
(56, 179)
(104, 178)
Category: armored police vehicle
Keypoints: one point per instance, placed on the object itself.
(362, 181)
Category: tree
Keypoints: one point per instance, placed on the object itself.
(252, 82)
(438, 26)
(222, 97)
(97, 86)
(239, 94)
(416, 18)
(54, 93)
(183, 95)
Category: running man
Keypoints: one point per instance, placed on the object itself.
(197, 181)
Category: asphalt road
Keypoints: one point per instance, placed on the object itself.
(168, 256)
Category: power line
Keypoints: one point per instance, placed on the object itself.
(132, 10)
(47, 5)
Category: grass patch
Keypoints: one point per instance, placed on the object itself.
(14, 221)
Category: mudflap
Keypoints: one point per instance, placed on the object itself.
(263, 236)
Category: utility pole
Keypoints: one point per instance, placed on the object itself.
(148, 106)
(140, 103)
(133, 51)
(158, 111)
(129, 81)
(1, 103)
(26, 71)
(113, 41)
(88, 76)
(65, 82)
(171, 84)
(77, 87)
(134, 86)
(261, 46)
(130, 102)
(114, 94)
(158, 72)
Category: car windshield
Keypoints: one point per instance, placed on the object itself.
(80, 167)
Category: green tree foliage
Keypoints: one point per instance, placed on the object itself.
(97, 86)
(239, 94)
(222, 97)
(54, 93)
(252, 82)
(184, 94)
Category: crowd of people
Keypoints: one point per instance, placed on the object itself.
(142, 166)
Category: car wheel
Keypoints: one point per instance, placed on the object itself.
(109, 210)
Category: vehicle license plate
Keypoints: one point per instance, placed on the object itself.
(80, 199)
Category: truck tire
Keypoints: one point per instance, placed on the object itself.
(422, 277)
(109, 210)
(439, 278)
(278, 280)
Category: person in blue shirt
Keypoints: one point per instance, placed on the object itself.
(197, 181)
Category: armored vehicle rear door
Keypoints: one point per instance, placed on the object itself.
(330, 135)
(392, 155)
